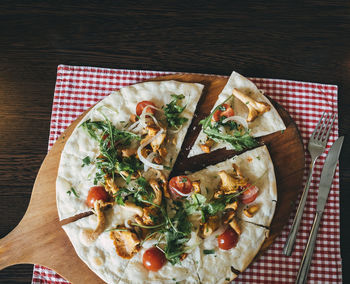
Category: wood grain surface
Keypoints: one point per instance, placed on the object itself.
(297, 40)
(42, 229)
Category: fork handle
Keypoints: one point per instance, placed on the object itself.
(307, 257)
(288, 246)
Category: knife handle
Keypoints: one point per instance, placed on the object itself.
(309, 250)
(288, 246)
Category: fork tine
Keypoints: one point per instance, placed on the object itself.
(323, 126)
(326, 135)
(318, 124)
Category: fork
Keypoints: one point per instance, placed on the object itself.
(316, 147)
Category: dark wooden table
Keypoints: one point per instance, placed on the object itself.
(288, 40)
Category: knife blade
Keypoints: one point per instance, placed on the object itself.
(328, 173)
(324, 188)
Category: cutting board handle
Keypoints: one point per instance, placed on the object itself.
(13, 247)
(39, 237)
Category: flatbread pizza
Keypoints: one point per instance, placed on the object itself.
(240, 113)
(145, 227)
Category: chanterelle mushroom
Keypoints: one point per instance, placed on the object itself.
(88, 235)
(234, 225)
(254, 108)
(157, 191)
(150, 214)
(229, 212)
(209, 227)
(156, 143)
(126, 242)
(229, 184)
(163, 182)
(110, 185)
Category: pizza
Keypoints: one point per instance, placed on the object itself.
(200, 227)
(240, 113)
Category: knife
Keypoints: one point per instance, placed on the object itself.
(324, 188)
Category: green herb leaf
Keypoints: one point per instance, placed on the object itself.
(208, 251)
(130, 165)
(239, 139)
(86, 161)
(222, 108)
(109, 138)
(173, 110)
(72, 190)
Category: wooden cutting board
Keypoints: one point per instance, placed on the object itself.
(39, 238)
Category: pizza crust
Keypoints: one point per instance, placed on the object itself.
(265, 124)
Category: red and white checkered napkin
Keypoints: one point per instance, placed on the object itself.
(77, 88)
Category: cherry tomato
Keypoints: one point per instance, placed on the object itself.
(96, 193)
(141, 105)
(228, 239)
(249, 194)
(180, 184)
(153, 259)
(220, 113)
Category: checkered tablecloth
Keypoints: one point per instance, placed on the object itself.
(77, 88)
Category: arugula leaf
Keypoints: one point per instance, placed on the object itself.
(198, 203)
(72, 190)
(130, 165)
(86, 161)
(194, 205)
(208, 251)
(207, 121)
(239, 139)
(175, 230)
(110, 161)
(177, 235)
(173, 110)
(108, 132)
(183, 180)
(139, 192)
(121, 194)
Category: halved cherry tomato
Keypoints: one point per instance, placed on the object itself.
(96, 193)
(141, 105)
(153, 259)
(249, 194)
(228, 239)
(227, 112)
(180, 184)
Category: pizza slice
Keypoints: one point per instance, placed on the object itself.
(136, 131)
(248, 178)
(240, 114)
